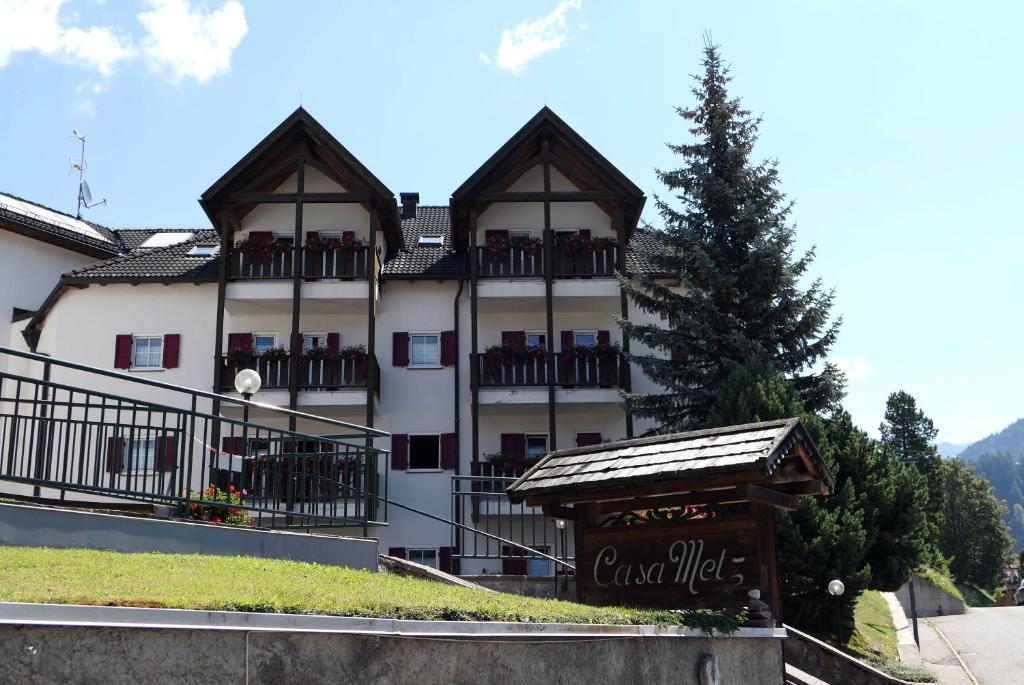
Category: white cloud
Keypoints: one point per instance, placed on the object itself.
(184, 42)
(485, 58)
(855, 368)
(36, 26)
(530, 39)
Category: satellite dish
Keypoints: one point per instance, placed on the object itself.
(86, 193)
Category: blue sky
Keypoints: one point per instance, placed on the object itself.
(895, 128)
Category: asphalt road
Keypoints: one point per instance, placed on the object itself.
(990, 641)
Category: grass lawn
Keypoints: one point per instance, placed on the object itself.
(188, 581)
(873, 628)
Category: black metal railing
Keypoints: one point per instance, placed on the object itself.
(60, 434)
(314, 374)
(593, 372)
(483, 506)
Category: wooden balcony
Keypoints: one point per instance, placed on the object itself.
(314, 374)
(341, 265)
(603, 372)
(517, 263)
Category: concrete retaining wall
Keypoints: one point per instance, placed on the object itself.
(38, 526)
(413, 652)
(531, 586)
(825, 662)
(931, 599)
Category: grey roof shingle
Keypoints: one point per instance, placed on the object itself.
(666, 457)
(171, 263)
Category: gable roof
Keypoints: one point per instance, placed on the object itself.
(279, 147)
(692, 455)
(585, 167)
(49, 225)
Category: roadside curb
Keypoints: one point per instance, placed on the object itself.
(952, 649)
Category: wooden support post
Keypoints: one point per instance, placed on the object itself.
(549, 270)
(474, 362)
(218, 334)
(620, 258)
(298, 268)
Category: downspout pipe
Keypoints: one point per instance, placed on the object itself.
(458, 419)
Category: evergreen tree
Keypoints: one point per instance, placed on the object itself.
(908, 434)
(973, 535)
(730, 244)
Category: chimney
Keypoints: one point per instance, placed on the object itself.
(409, 202)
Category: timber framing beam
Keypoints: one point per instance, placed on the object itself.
(549, 196)
(292, 198)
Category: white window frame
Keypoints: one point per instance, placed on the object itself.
(519, 233)
(412, 363)
(526, 443)
(542, 333)
(272, 335)
(148, 336)
(437, 555)
(148, 463)
(314, 334)
(430, 243)
(282, 235)
(584, 331)
(409, 468)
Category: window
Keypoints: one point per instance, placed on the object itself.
(424, 453)
(427, 557)
(431, 240)
(261, 342)
(536, 445)
(584, 337)
(426, 350)
(539, 566)
(147, 352)
(518, 234)
(202, 251)
(313, 340)
(534, 339)
(142, 457)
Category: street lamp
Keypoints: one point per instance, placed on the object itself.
(247, 383)
(836, 589)
(560, 525)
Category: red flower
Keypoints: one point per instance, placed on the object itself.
(216, 519)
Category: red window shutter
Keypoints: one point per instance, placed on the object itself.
(513, 566)
(348, 235)
(334, 342)
(679, 355)
(399, 451)
(495, 234)
(568, 340)
(123, 351)
(449, 348)
(444, 559)
(312, 235)
(400, 349)
(115, 452)
(584, 233)
(513, 338)
(172, 348)
(449, 451)
(261, 235)
(587, 439)
(513, 445)
(239, 341)
(165, 453)
(604, 338)
(233, 445)
(398, 552)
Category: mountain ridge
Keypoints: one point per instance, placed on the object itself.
(1010, 440)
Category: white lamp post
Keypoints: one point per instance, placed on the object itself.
(560, 525)
(836, 589)
(247, 383)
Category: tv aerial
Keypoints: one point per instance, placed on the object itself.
(84, 193)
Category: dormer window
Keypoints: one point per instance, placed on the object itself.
(431, 241)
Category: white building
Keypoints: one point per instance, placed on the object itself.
(433, 323)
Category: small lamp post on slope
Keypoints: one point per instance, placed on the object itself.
(836, 589)
(247, 383)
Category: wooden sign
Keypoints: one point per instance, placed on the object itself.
(673, 564)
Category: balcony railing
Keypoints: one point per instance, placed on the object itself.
(516, 263)
(314, 374)
(596, 372)
(315, 264)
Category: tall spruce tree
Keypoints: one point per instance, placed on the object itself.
(730, 243)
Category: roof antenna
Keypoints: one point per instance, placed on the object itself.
(84, 194)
